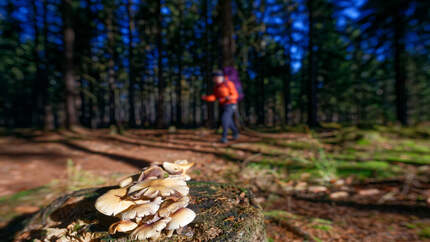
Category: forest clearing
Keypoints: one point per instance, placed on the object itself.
(337, 184)
(296, 120)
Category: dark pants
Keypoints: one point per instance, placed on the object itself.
(227, 120)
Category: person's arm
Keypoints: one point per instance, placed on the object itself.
(233, 91)
(209, 98)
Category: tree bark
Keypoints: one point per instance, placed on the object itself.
(311, 82)
(262, 99)
(400, 70)
(48, 116)
(287, 80)
(179, 56)
(207, 66)
(69, 75)
(131, 74)
(37, 110)
(161, 85)
(111, 70)
(228, 44)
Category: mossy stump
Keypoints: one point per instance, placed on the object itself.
(224, 213)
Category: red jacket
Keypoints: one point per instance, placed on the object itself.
(225, 93)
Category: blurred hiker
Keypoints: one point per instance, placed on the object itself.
(226, 94)
(232, 75)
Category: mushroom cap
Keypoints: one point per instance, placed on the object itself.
(122, 226)
(140, 185)
(152, 171)
(164, 187)
(111, 202)
(184, 177)
(150, 231)
(128, 180)
(143, 209)
(181, 162)
(139, 202)
(167, 187)
(179, 167)
(181, 218)
(173, 206)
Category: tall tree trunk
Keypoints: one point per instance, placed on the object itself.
(83, 119)
(311, 83)
(161, 84)
(195, 102)
(48, 116)
(400, 69)
(261, 92)
(287, 80)
(143, 114)
(131, 75)
(69, 76)
(37, 86)
(179, 56)
(228, 45)
(111, 70)
(207, 66)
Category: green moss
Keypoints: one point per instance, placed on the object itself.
(279, 214)
(367, 165)
(322, 221)
(424, 232)
(323, 227)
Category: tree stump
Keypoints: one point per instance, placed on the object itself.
(224, 213)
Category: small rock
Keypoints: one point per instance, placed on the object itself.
(368, 192)
(339, 183)
(301, 186)
(26, 209)
(339, 195)
(317, 189)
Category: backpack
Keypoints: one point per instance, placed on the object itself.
(232, 75)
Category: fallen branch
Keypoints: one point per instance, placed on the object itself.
(291, 227)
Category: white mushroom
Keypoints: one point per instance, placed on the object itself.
(179, 167)
(111, 203)
(173, 207)
(122, 226)
(180, 219)
(167, 187)
(148, 202)
(164, 187)
(143, 209)
(140, 185)
(150, 231)
(128, 180)
(152, 171)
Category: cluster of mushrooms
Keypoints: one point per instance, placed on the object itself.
(149, 202)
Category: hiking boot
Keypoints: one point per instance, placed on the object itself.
(224, 140)
(235, 136)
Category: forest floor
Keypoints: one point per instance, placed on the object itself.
(335, 184)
